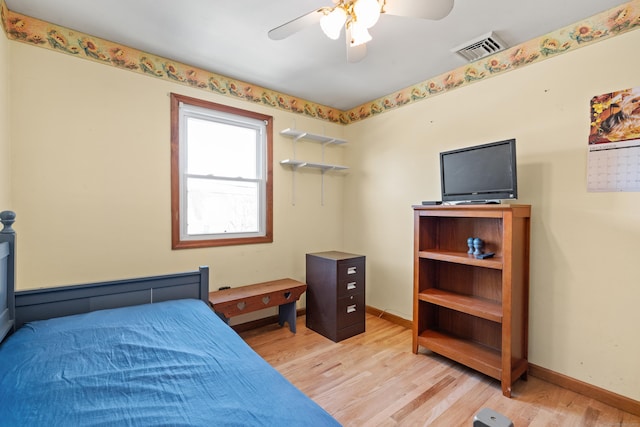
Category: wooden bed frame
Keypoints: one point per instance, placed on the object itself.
(17, 308)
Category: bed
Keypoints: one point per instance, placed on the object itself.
(146, 351)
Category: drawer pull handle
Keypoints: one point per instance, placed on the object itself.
(351, 270)
(351, 286)
(351, 308)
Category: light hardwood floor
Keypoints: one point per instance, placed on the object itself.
(373, 379)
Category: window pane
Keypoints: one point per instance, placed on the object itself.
(221, 149)
(221, 175)
(215, 206)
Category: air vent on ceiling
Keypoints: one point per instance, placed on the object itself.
(480, 47)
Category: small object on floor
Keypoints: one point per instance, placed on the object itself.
(490, 418)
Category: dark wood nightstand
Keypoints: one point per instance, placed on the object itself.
(335, 294)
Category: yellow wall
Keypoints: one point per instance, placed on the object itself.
(91, 188)
(92, 174)
(585, 272)
(5, 145)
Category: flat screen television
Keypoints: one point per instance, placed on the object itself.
(480, 174)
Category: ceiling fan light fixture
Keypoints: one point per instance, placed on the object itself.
(359, 34)
(333, 22)
(367, 12)
(357, 16)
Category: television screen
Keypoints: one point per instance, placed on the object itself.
(480, 173)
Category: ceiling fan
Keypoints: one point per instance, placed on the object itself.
(357, 16)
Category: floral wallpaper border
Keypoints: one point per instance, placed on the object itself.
(615, 21)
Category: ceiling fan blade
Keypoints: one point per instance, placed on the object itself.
(425, 9)
(354, 53)
(295, 25)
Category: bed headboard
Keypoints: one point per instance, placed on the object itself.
(47, 303)
(7, 273)
(38, 304)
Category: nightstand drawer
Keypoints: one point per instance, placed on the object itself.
(350, 310)
(350, 276)
(351, 287)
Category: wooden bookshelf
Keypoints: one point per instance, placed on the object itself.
(473, 311)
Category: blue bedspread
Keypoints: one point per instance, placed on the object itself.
(172, 363)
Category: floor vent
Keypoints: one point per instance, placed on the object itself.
(480, 47)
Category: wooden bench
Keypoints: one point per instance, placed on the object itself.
(244, 299)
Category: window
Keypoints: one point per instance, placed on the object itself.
(221, 176)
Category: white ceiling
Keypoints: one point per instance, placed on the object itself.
(230, 38)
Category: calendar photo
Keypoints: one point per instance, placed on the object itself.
(613, 162)
(615, 116)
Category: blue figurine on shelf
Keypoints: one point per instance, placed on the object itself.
(477, 246)
(470, 244)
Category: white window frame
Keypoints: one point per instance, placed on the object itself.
(184, 108)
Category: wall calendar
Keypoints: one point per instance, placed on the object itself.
(613, 159)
